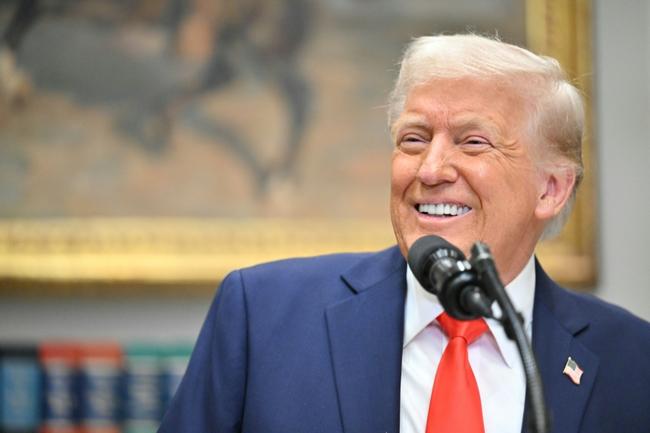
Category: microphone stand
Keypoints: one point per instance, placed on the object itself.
(483, 262)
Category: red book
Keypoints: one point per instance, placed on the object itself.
(59, 361)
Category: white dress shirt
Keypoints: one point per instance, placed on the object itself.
(493, 357)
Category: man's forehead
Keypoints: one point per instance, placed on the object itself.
(462, 103)
(446, 92)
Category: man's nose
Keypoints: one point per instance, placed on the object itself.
(438, 163)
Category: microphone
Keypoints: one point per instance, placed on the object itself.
(443, 270)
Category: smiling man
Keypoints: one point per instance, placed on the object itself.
(487, 140)
(465, 144)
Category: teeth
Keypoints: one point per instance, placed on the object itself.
(443, 209)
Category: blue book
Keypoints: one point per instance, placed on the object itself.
(142, 389)
(20, 389)
(100, 373)
(59, 363)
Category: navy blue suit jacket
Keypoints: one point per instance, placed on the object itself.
(315, 345)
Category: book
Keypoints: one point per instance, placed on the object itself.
(142, 388)
(20, 389)
(59, 363)
(99, 387)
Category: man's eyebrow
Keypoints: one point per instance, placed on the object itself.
(471, 121)
(410, 120)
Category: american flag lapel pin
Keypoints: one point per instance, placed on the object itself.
(573, 370)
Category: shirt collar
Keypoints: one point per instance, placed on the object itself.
(421, 308)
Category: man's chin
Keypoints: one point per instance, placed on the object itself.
(460, 242)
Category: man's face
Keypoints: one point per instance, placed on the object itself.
(462, 169)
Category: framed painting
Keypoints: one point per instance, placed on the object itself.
(150, 147)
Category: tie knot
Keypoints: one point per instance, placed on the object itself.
(469, 330)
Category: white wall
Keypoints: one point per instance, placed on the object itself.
(142, 320)
(622, 95)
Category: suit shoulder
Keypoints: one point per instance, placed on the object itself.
(307, 274)
(294, 292)
(610, 315)
(574, 308)
(603, 327)
(615, 334)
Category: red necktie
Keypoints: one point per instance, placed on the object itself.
(455, 405)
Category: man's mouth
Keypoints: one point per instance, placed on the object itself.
(443, 209)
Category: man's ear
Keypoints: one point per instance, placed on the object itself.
(555, 190)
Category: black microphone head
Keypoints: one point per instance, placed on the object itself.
(424, 252)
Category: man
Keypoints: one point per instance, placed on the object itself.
(487, 147)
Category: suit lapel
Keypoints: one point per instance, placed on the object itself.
(557, 321)
(365, 337)
(366, 332)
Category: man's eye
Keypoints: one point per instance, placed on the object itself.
(476, 141)
(412, 144)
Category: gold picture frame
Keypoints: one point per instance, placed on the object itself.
(189, 256)
(562, 29)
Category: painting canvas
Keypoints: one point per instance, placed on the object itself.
(170, 132)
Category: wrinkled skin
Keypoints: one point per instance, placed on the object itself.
(467, 142)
